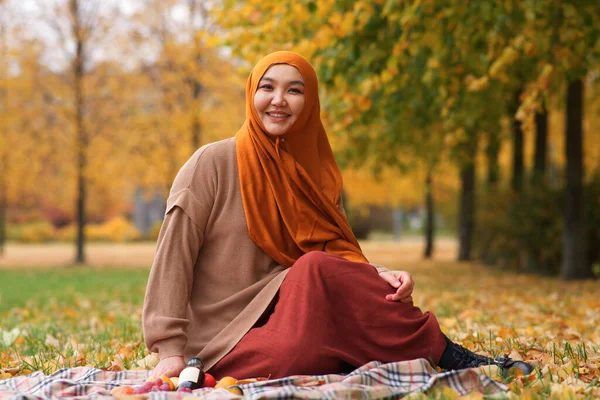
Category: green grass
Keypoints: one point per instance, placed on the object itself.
(71, 316)
(23, 287)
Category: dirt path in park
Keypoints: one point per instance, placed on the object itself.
(408, 249)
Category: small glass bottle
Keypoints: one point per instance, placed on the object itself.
(192, 376)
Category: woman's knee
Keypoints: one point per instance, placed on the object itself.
(313, 257)
(315, 264)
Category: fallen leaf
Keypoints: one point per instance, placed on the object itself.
(52, 341)
(149, 362)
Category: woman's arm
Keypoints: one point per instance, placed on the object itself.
(169, 286)
(165, 314)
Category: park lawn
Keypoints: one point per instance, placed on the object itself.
(65, 317)
(53, 318)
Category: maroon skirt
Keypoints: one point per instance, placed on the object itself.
(331, 316)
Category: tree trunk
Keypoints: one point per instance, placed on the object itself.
(3, 205)
(541, 145)
(466, 224)
(430, 222)
(82, 140)
(574, 263)
(492, 152)
(3, 156)
(196, 126)
(196, 132)
(517, 161)
(196, 84)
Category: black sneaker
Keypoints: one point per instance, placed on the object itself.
(463, 358)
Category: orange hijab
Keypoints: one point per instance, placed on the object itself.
(290, 188)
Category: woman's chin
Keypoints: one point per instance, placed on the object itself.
(276, 130)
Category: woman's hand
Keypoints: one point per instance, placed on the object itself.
(169, 366)
(401, 280)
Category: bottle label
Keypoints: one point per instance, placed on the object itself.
(190, 374)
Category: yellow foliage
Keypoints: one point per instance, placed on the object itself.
(399, 48)
(395, 189)
(323, 37)
(35, 232)
(115, 230)
(478, 84)
(363, 103)
(433, 63)
(300, 12)
(347, 25)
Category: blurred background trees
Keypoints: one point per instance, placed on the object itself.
(480, 116)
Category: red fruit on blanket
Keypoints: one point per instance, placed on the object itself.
(209, 380)
(143, 388)
(154, 385)
(157, 382)
(165, 387)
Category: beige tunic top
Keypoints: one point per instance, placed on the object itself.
(209, 282)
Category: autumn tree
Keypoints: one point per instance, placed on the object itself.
(189, 95)
(20, 144)
(563, 39)
(79, 27)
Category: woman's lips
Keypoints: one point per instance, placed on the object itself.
(277, 117)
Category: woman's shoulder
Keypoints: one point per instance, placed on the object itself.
(221, 149)
(212, 156)
(205, 164)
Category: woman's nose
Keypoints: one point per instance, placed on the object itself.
(278, 99)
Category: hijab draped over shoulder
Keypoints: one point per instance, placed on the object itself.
(291, 184)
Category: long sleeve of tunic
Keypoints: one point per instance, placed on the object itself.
(209, 282)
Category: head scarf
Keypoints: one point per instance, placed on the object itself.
(290, 184)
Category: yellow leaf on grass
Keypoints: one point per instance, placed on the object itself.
(149, 362)
(118, 363)
(493, 371)
(530, 331)
(126, 352)
(515, 355)
(583, 370)
(505, 332)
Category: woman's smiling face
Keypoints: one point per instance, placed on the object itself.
(279, 98)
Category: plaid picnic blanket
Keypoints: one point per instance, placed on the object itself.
(371, 381)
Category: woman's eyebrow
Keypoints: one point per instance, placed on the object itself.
(290, 82)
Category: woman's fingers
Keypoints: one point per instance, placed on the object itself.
(170, 366)
(407, 284)
(396, 297)
(390, 278)
(404, 283)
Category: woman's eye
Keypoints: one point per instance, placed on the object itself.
(267, 87)
(295, 90)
